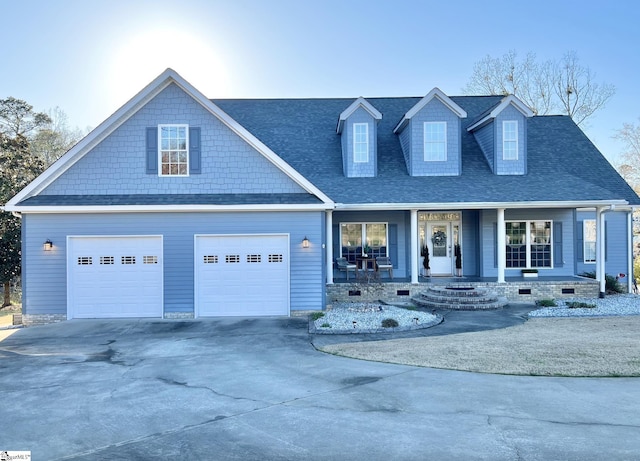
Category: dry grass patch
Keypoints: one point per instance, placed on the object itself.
(603, 346)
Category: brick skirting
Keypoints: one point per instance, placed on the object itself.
(29, 320)
(524, 291)
(178, 315)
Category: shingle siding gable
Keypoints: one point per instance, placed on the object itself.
(354, 169)
(118, 165)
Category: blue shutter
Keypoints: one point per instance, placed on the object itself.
(152, 150)
(393, 244)
(557, 244)
(195, 163)
(580, 241)
(337, 253)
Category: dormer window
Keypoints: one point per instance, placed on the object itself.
(173, 151)
(360, 142)
(435, 141)
(510, 140)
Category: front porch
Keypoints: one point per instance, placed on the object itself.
(515, 289)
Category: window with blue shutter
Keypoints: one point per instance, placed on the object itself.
(173, 150)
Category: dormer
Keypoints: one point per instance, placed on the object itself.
(501, 133)
(358, 129)
(430, 136)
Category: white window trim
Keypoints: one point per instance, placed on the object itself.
(585, 241)
(167, 125)
(505, 123)
(356, 159)
(424, 139)
(528, 243)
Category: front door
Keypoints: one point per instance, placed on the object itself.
(440, 248)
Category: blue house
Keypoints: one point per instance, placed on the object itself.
(178, 206)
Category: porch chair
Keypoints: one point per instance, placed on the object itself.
(383, 263)
(346, 266)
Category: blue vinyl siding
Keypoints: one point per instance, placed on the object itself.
(485, 137)
(120, 163)
(44, 273)
(616, 243)
(470, 249)
(435, 111)
(488, 235)
(360, 169)
(510, 167)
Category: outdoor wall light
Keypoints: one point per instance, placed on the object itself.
(48, 245)
(305, 242)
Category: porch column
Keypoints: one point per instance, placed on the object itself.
(630, 251)
(329, 248)
(600, 269)
(414, 246)
(502, 245)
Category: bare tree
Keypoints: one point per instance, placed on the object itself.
(545, 86)
(579, 94)
(55, 138)
(629, 168)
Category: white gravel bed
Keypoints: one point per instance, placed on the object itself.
(368, 318)
(621, 304)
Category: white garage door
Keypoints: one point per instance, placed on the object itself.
(112, 277)
(242, 275)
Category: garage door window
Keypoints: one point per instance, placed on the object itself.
(275, 258)
(85, 260)
(128, 260)
(149, 260)
(232, 259)
(106, 260)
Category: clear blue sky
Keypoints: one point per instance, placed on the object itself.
(91, 56)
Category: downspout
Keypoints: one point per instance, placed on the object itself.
(600, 251)
(630, 274)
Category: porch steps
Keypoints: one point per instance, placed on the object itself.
(459, 298)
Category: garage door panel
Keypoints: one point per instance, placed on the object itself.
(242, 275)
(115, 277)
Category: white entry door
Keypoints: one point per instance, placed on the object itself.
(242, 275)
(440, 243)
(112, 276)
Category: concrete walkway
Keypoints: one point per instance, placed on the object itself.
(257, 389)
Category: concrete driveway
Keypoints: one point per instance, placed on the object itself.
(256, 389)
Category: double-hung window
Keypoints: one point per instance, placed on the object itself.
(589, 234)
(529, 244)
(360, 142)
(510, 140)
(435, 141)
(173, 142)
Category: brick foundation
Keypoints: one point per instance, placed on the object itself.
(524, 291)
(29, 320)
(178, 315)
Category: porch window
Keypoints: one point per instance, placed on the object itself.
(355, 237)
(529, 244)
(589, 232)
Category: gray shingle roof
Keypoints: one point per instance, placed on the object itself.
(563, 165)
